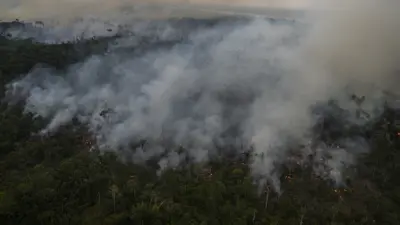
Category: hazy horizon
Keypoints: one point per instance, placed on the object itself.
(40, 9)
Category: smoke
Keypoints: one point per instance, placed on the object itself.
(233, 86)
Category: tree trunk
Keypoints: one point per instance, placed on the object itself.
(114, 202)
(266, 198)
(301, 219)
(99, 197)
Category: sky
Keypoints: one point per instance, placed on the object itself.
(36, 9)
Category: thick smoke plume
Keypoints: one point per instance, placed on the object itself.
(238, 86)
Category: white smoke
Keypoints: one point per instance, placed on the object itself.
(255, 85)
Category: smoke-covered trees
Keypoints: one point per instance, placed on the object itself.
(59, 179)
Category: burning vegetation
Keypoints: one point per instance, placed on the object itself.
(69, 176)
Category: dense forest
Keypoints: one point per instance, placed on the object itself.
(59, 180)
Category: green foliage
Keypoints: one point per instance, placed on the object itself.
(58, 180)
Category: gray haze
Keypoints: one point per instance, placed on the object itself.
(67, 9)
(254, 86)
